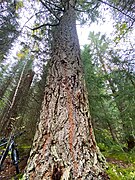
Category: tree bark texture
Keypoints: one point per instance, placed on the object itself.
(64, 146)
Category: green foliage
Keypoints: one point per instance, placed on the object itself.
(123, 11)
(87, 11)
(19, 5)
(120, 173)
(110, 89)
(121, 31)
(120, 164)
(104, 139)
(8, 28)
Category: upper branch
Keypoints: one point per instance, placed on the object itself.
(56, 6)
(112, 6)
(49, 9)
(38, 27)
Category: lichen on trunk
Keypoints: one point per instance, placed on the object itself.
(64, 146)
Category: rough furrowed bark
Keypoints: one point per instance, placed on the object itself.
(64, 146)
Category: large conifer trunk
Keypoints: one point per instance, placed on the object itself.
(64, 146)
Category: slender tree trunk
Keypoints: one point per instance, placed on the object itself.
(17, 103)
(119, 103)
(64, 146)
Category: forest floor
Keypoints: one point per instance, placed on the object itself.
(119, 163)
(120, 169)
(8, 171)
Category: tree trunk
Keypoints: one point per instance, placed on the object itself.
(127, 127)
(18, 102)
(64, 146)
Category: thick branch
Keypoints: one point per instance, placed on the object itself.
(49, 9)
(38, 27)
(31, 18)
(57, 7)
